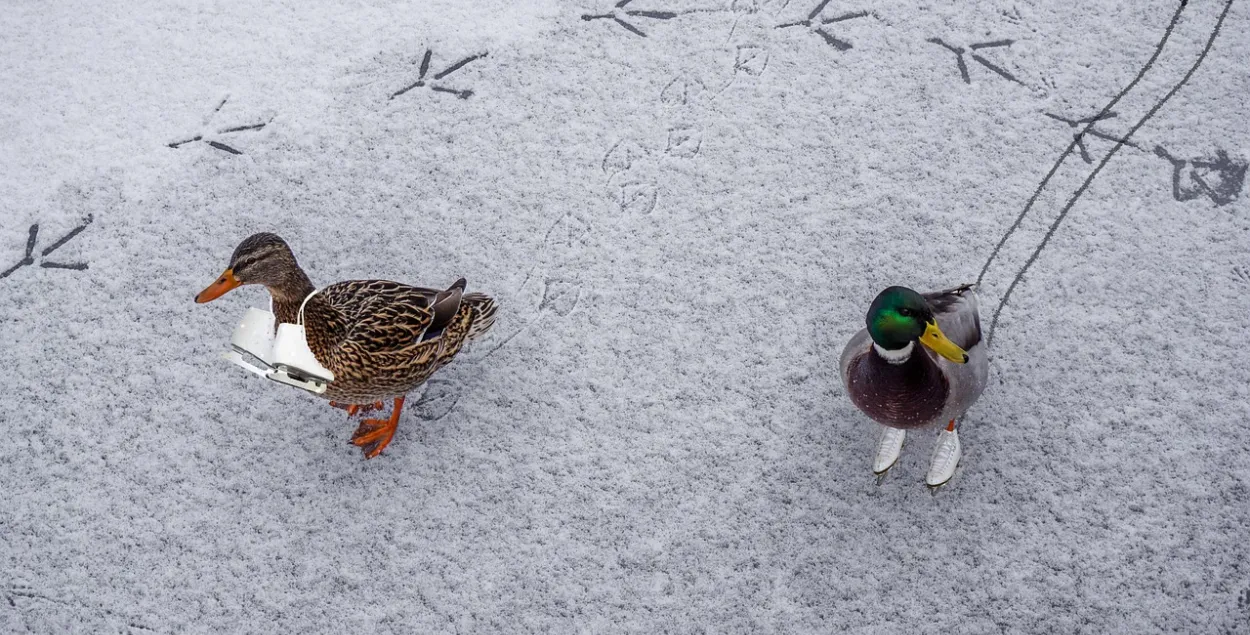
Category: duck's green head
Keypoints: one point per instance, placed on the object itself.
(900, 316)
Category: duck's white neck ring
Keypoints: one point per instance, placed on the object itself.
(896, 356)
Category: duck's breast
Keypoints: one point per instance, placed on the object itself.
(907, 395)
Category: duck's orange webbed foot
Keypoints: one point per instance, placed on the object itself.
(373, 435)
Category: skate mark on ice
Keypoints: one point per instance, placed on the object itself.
(1063, 212)
(438, 400)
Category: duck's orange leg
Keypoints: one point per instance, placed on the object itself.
(374, 435)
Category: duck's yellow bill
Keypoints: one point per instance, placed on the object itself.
(223, 285)
(938, 343)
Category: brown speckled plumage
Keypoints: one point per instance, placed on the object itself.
(381, 339)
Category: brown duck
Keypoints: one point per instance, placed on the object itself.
(381, 339)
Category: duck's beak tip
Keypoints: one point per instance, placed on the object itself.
(218, 288)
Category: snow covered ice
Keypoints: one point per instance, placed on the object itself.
(683, 208)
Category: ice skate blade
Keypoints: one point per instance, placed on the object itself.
(293, 377)
(236, 357)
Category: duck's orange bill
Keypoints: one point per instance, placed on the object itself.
(223, 285)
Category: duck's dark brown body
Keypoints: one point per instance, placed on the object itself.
(907, 395)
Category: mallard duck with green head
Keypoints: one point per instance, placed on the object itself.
(381, 339)
(920, 361)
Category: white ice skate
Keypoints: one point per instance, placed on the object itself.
(888, 449)
(946, 455)
(285, 358)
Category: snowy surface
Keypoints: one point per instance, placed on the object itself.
(683, 229)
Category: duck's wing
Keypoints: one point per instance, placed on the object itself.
(445, 305)
(380, 316)
(957, 315)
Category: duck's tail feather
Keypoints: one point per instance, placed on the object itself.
(484, 309)
(950, 300)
